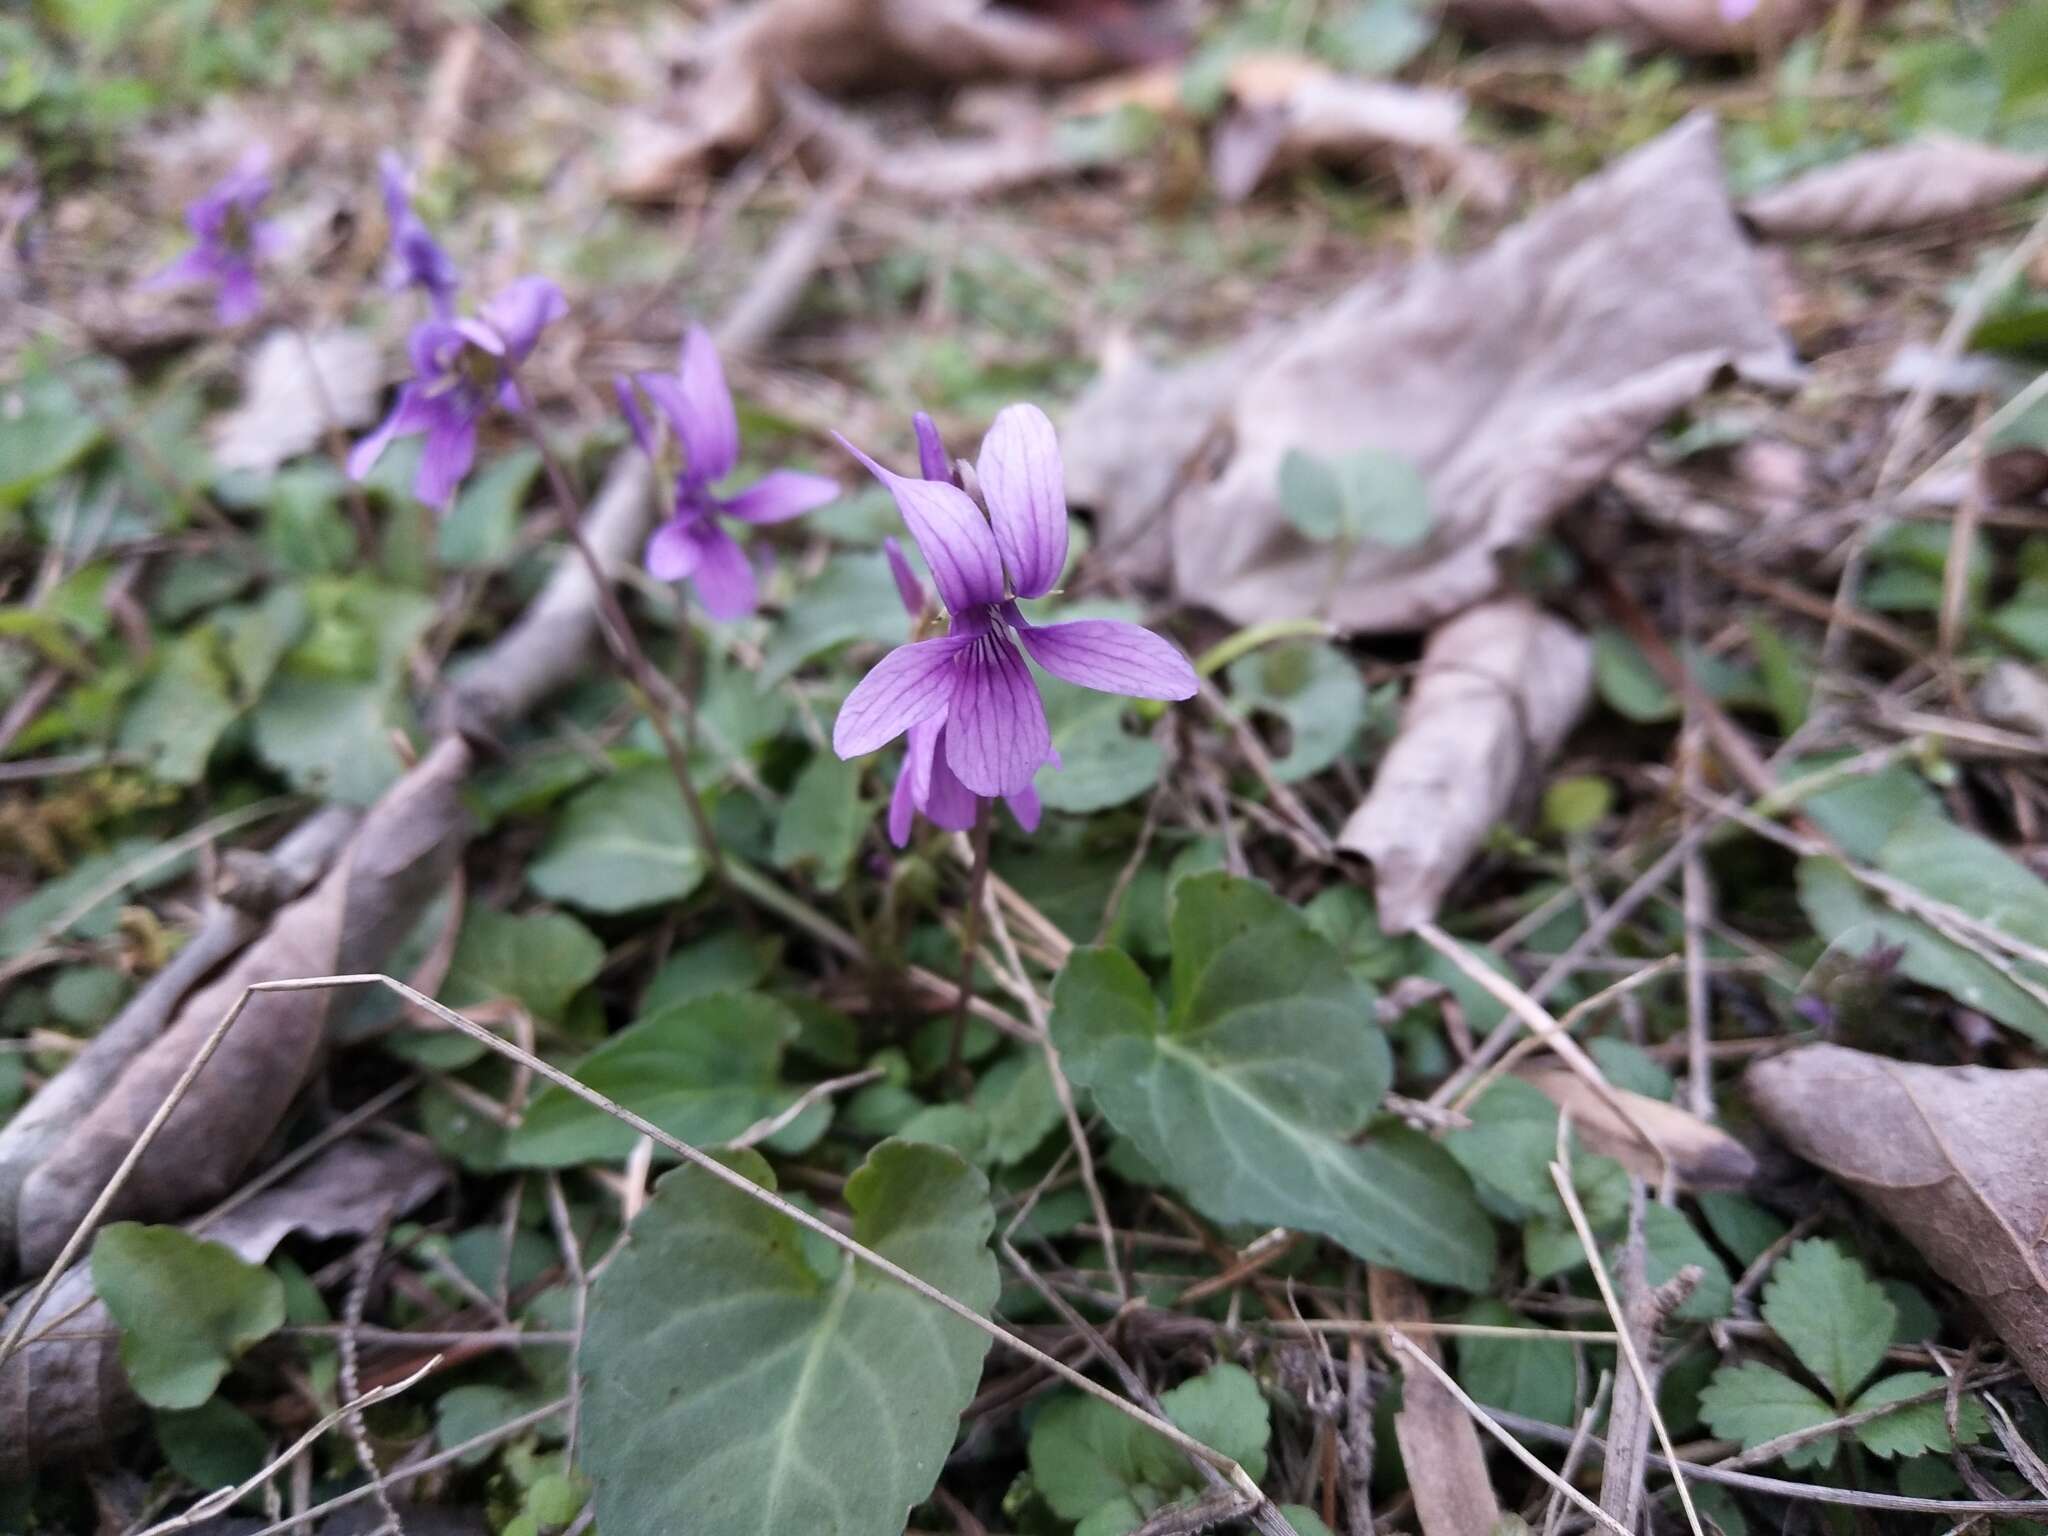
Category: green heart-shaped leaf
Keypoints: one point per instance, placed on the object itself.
(732, 1389)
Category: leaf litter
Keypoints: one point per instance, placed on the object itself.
(1514, 536)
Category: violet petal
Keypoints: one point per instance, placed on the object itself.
(672, 555)
(908, 587)
(996, 731)
(1023, 483)
(703, 413)
(724, 580)
(901, 809)
(412, 413)
(521, 311)
(949, 803)
(1024, 805)
(951, 534)
(1111, 657)
(910, 684)
(780, 495)
(450, 450)
(931, 449)
(629, 407)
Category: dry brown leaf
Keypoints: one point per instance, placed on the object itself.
(1440, 1448)
(295, 390)
(1288, 111)
(1500, 686)
(373, 897)
(1695, 26)
(232, 919)
(1019, 142)
(66, 1396)
(1513, 381)
(1887, 190)
(1951, 1156)
(834, 46)
(1702, 1156)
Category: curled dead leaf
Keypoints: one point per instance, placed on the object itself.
(833, 46)
(66, 1396)
(1613, 1124)
(1887, 190)
(1500, 687)
(1512, 382)
(1288, 111)
(1951, 1156)
(373, 897)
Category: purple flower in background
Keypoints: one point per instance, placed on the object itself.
(926, 783)
(461, 368)
(972, 680)
(691, 544)
(230, 240)
(416, 259)
(1734, 12)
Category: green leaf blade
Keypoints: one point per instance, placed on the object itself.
(1247, 1094)
(1830, 1314)
(733, 1391)
(188, 1309)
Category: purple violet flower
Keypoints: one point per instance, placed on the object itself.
(416, 259)
(926, 782)
(691, 545)
(972, 680)
(231, 241)
(461, 368)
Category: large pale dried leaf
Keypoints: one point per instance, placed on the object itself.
(835, 46)
(1614, 1124)
(1887, 190)
(296, 390)
(1288, 111)
(1696, 26)
(66, 1396)
(1500, 686)
(1513, 381)
(349, 922)
(1440, 1448)
(1951, 1156)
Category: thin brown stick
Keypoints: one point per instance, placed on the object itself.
(1560, 1175)
(227, 1498)
(1409, 1351)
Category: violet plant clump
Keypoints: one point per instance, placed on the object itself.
(461, 369)
(966, 697)
(231, 240)
(691, 544)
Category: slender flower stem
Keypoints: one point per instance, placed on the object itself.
(641, 677)
(970, 935)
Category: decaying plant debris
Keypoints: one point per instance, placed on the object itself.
(1514, 380)
(1948, 1155)
(1547, 1033)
